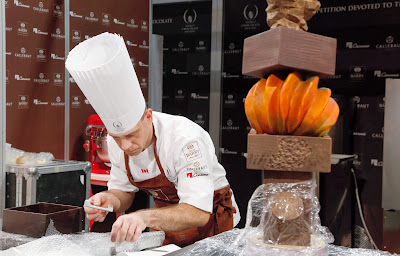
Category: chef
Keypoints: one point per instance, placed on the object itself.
(169, 157)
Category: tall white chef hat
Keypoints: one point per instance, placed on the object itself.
(103, 70)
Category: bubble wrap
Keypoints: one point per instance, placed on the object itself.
(17, 156)
(83, 244)
(233, 243)
(8, 240)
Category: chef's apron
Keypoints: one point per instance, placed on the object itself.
(165, 194)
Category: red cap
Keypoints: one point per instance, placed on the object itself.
(94, 120)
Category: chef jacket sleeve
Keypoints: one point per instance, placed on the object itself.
(194, 179)
(118, 178)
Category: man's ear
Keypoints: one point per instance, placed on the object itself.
(149, 114)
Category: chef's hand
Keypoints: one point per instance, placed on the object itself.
(128, 228)
(101, 200)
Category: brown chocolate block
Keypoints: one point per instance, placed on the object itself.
(285, 49)
(33, 220)
(291, 225)
(289, 153)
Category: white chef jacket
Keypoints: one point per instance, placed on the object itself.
(187, 155)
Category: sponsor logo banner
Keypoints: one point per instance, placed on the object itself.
(58, 10)
(40, 8)
(105, 19)
(57, 102)
(20, 4)
(91, 17)
(76, 102)
(132, 24)
(41, 55)
(58, 79)
(23, 101)
(76, 36)
(22, 28)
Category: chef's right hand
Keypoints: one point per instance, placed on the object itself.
(101, 200)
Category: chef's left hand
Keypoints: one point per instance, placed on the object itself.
(128, 228)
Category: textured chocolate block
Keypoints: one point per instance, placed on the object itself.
(289, 153)
(33, 220)
(285, 49)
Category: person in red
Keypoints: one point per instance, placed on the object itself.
(169, 157)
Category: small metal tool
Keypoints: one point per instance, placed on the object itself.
(108, 209)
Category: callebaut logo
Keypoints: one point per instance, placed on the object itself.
(390, 43)
(232, 49)
(144, 45)
(132, 24)
(23, 54)
(41, 79)
(189, 175)
(58, 34)
(40, 8)
(58, 102)
(230, 126)
(91, 17)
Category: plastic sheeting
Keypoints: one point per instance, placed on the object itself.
(17, 156)
(233, 243)
(84, 244)
(280, 218)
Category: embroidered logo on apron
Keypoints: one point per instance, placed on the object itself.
(157, 194)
